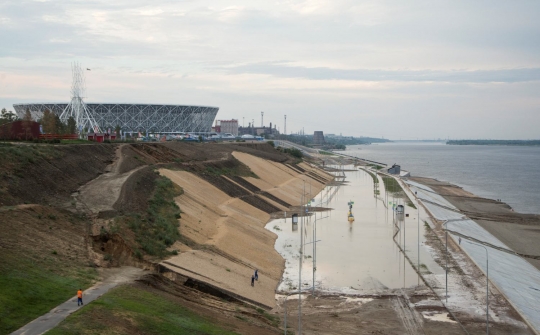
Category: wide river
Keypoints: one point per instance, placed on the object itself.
(497, 172)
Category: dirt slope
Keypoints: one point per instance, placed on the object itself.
(45, 174)
(228, 232)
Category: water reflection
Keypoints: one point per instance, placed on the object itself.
(360, 255)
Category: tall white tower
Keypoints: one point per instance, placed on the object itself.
(76, 107)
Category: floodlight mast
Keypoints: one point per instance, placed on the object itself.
(76, 108)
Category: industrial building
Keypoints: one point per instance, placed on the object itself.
(259, 131)
(226, 127)
(318, 138)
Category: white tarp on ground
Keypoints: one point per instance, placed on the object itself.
(516, 278)
(435, 203)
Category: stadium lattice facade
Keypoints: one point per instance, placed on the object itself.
(137, 117)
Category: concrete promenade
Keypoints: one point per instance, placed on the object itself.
(513, 276)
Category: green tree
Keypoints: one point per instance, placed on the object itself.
(6, 117)
(27, 116)
(117, 131)
(71, 126)
(48, 122)
(59, 127)
(27, 123)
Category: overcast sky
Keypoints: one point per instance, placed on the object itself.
(399, 69)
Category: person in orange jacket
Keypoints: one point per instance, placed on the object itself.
(79, 297)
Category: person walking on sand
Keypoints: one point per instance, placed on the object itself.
(256, 274)
(79, 298)
(253, 280)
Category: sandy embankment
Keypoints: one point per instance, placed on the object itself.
(230, 233)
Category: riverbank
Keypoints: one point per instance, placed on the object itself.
(493, 237)
(518, 231)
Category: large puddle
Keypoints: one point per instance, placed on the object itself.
(358, 257)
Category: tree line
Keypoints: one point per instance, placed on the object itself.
(50, 122)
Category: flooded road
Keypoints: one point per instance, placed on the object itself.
(358, 257)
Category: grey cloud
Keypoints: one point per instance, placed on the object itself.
(324, 73)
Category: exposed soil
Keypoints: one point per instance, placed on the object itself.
(414, 311)
(232, 315)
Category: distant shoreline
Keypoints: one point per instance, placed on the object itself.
(528, 143)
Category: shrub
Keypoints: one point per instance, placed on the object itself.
(158, 228)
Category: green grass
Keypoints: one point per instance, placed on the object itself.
(237, 168)
(322, 152)
(375, 166)
(19, 156)
(274, 319)
(130, 310)
(224, 171)
(32, 287)
(77, 141)
(375, 179)
(391, 185)
(157, 229)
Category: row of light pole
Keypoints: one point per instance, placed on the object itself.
(302, 244)
(487, 268)
(445, 224)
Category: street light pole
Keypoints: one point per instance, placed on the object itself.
(487, 285)
(418, 215)
(300, 265)
(446, 237)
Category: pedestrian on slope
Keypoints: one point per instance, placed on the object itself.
(79, 298)
(253, 280)
(256, 274)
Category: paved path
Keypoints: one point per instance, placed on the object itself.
(50, 320)
(516, 278)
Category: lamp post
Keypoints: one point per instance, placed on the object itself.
(446, 242)
(287, 296)
(418, 215)
(487, 284)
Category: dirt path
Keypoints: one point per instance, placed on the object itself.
(112, 278)
(100, 194)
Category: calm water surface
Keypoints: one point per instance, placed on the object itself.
(497, 172)
(352, 257)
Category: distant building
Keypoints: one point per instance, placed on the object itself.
(226, 126)
(395, 169)
(259, 131)
(318, 138)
